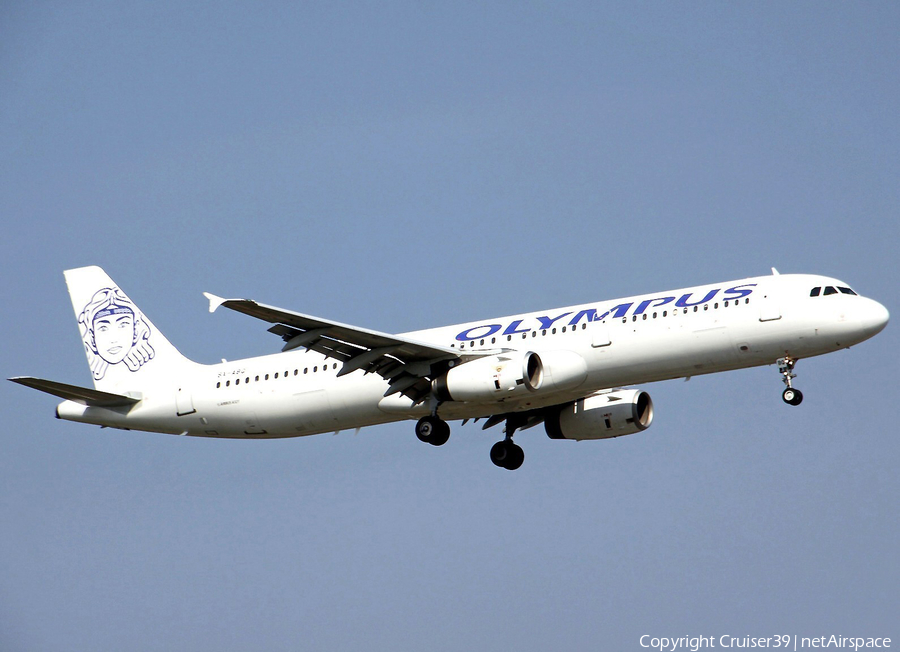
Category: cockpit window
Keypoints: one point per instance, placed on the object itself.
(815, 292)
(830, 290)
(846, 291)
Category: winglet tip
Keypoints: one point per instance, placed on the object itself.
(214, 301)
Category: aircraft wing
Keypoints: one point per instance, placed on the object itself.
(406, 364)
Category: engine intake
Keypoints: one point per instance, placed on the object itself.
(601, 416)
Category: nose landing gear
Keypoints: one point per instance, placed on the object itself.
(790, 395)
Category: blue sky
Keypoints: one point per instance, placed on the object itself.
(401, 166)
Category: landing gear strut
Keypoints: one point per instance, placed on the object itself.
(507, 454)
(433, 430)
(790, 395)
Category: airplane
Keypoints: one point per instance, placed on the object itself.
(574, 369)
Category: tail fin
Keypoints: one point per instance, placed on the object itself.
(124, 349)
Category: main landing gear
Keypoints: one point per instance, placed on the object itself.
(433, 430)
(507, 454)
(790, 395)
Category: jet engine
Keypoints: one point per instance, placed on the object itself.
(562, 370)
(601, 416)
(492, 378)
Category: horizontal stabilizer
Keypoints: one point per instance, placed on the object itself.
(83, 395)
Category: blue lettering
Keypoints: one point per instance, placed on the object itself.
(546, 322)
(511, 329)
(468, 334)
(618, 311)
(646, 303)
(740, 291)
(683, 301)
(590, 313)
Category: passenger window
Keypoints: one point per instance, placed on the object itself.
(830, 290)
(218, 385)
(227, 383)
(815, 292)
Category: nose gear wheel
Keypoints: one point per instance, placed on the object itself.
(790, 395)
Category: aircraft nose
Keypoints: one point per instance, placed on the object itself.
(873, 317)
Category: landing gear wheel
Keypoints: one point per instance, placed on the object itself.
(516, 457)
(433, 430)
(441, 434)
(507, 455)
(792, 396)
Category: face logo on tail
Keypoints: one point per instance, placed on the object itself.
(114, 332)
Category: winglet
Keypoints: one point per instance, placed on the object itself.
(775, 272)
(214, 301)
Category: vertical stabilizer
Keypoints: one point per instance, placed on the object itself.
(125, 351)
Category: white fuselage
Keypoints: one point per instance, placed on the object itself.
(642, 339)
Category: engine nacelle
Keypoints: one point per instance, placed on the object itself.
(562, 370)
(492, 378)
(602, 416)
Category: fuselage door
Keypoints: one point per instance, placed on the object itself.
(184, 402)
(769, 307)
(599, 335)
